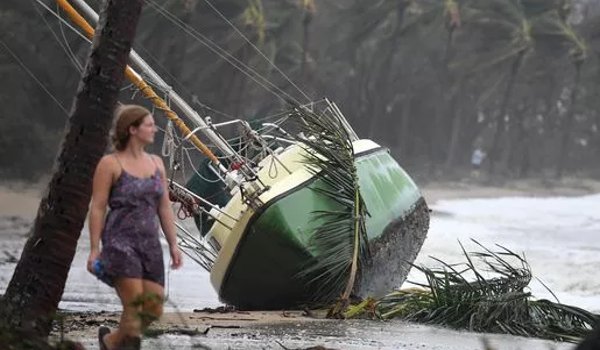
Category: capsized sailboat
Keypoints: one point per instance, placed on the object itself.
(293, 211)
(263, 251)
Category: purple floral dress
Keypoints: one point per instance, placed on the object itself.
(130, 242)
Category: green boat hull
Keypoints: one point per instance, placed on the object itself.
(273, 249)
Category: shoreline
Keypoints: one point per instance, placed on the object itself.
(21, 199)
(467, 189)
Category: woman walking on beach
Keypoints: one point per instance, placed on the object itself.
(133, 184)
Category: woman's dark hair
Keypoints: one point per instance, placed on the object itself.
(125, 117)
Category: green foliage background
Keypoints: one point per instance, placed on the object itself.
(430, 79)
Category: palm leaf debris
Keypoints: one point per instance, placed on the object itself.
(340, 243)
(460, 297)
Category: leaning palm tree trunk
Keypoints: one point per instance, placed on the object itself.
(38, 282)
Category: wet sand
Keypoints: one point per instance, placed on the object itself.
(252, 330)
(295, 330)
(19, 199)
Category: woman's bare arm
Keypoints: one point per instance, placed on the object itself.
(103, 178)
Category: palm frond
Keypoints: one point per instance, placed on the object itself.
(340, 243)
(254, 17)
(501, 303)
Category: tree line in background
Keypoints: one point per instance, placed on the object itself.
(433, 80)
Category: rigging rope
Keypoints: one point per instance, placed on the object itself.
(235, 62)
(72, 55)
(169, 146)
(256, 49)
(32, 75)
(74, 62)
(180, 84)
(64, 21)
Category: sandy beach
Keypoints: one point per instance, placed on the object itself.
(295, 330)
(22, 199)
(189, 328)
(19, 199)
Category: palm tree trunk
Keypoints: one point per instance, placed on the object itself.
(457, 121)
(404, 127)
(597, 141)
(568, 125)
(500, 123)
(525, 162)
(516, 148)
(38, 281)
(447, 104)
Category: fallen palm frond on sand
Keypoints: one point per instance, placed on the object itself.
(494, 298)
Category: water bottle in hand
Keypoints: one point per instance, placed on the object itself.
(100, 272)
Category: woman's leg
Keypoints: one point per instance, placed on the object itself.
(153, 300)
(129, 290)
